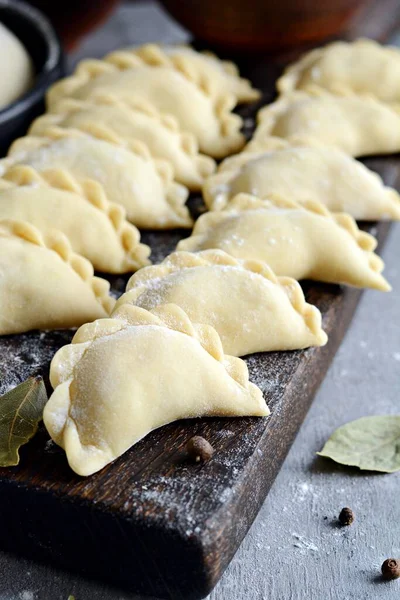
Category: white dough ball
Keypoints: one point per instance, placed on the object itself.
(16, 68)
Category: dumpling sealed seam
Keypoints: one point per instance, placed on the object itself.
(116, 120)
(214, 76)
(43, 284)
(357, 125)
(299, 241)
(304, 173)
(126, 376)
(97, 229)
(144, 187)
(360, 67)
(128, 77)
(251, 309)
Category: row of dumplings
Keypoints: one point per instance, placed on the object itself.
(117, 149)
(106, 153)
(236, 274)
(292, 196)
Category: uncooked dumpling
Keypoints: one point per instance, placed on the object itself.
(43, 284)
(303, 173)
(116, 120)
(216, 129)
(303, 243)
(144, 187)
(251, 309)
(97, 229)
(360, 67)
(214, 76)
(359, 126)
(123, 377)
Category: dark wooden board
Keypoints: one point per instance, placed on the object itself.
(152, 522)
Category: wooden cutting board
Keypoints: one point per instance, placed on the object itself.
(152, 522)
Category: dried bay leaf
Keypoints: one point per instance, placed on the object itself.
(370, 443)
(21, 410)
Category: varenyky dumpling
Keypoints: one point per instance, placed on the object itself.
(214, 76)
(125, 376)
(118, 120)
(357, 125)
(299, 241)
(97, 229)
(360, 67)
(144, 187)
(304, 173)
(251, 309)
(215, 127)
(43, 284)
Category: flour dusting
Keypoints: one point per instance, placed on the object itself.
(26, 595)
(304, 544)
(28, 355)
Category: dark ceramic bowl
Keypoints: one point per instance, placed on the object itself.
(39, 38)
(262, 25)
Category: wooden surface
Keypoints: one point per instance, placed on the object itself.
(194, 512)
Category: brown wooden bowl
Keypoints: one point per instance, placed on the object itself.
(250, 25)
(73, 19)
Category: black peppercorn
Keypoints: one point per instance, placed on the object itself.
(199, 449)
(391, 568)
(346, 516)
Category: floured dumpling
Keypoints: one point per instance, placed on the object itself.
(214, 76)
(303, 173)
(116, 120)
(251, 309)
(97, 229)
(123, 377)
(144, 187)
(43, 284)
(360, 67)
(359, 126)
(300, 242)
(216, 129)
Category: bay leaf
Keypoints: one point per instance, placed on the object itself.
(369, 443)
(21, 410)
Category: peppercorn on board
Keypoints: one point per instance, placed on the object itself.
(153, 522)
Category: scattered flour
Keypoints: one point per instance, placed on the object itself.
(248, 122)
(302, 491)
(304, 544)
(26, 595)
(27, 355)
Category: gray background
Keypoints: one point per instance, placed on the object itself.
(294, 551)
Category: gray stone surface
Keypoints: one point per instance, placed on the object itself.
(294, 551)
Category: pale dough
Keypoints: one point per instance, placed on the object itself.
(215, 127)
(251, 309)
(357, 125)
(143, 186)
(16, 68)
(43, 284)
(360, 67)
(116, 120)
(300, 242)
(96, 228)
(214, 76)
(304, 173)
(123, 377)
